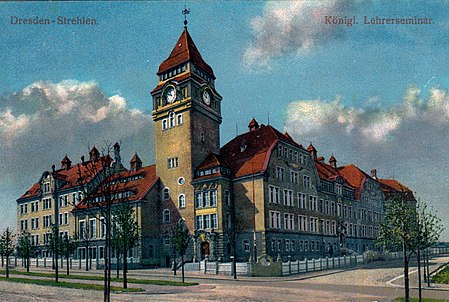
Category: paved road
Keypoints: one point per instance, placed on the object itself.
(364, 284)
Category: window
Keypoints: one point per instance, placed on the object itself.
(179, 117)
(199, 200)
(172, 162)
(171, 119)
(164, 124)
(47, 221)
(288, 197)
(46, 203)
(61, 217)
(280, 173)
(306, 181)
(274, 194)
(246, 246)
(314, 224)
(66, 218)
(292, 245)
(294, 177)
(92, 228)
(206, 221)
(338, 189)
(166, 193)
(275, 219)
(301, 245)
(289, 221)
(81, 229)
(213, 219)
(182, 201)
(273, 244)
(213, 198)
(46, 187)
(199, 222)
(102, 228)
(279, 244)
(202, 137)
(302, 200)
(206, 199)
(287, 245)
(306, 246)
(280, 151)
(166, 216)
(302, 223)
(313, 203)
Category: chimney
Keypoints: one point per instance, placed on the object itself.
(312, 151)
(53, 168)
(82, 159)
(135, 163)
(253, 125)
(333, 162)
(320, 159)
(374, 173)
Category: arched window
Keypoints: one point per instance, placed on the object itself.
(166, 193)
(182, 201)
(172, 119)
(166, 216)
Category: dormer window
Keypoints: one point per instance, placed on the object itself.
(243, 146)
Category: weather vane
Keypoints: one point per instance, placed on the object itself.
(185, 12)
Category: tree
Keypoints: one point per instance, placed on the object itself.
(84, 239)
(430, 228)
(55, 245)
(68, 247)
(25, 249)
(399, 232)
(125, 234)
(7, 246)
(181, 241)
(102, 187)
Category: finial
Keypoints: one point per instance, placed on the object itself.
(185, 12)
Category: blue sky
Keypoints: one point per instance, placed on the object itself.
(367, 87)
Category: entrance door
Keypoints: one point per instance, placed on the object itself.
(204, 250)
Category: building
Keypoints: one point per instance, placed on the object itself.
(262, 193)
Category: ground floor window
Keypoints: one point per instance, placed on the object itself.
(246, 246)
(101, 252)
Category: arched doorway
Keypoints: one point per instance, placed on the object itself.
(204, 249)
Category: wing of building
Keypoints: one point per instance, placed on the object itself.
(262, 193)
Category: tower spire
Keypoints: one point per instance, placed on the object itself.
(185, 12)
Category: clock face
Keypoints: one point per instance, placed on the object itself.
(170, 95)
(206, 97)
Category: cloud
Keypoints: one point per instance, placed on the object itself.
(44, 121)
(408, 141)
(293, 27)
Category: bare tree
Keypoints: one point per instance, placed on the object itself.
(181, 242)
(68, 247)
(7, 246)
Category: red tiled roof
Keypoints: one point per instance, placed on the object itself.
(185, 51)
(249, 153)
(328, 172)
(355, 178)
(139, 187)
(70, 177)
(311, 148)
(393, 185)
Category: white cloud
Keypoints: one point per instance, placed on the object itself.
(46, 120)
(408, 141)
(293, 27)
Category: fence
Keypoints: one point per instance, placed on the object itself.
(217, 268)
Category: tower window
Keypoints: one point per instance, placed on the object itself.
(164, 124)
(182, 201)
(172, 162)
(179, 116)
(172, 119)
(166, 193)
(202, 137)
(166, 216)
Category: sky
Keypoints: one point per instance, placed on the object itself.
(370, 94)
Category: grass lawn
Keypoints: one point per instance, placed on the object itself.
(68, 284)
(100, 278)
(442, 276)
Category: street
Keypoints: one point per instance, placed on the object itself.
(370, 283)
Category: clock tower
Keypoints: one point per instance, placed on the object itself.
(187, 116)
